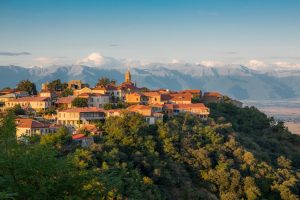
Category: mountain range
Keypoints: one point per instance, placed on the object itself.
(236, 81)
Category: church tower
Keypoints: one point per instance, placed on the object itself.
(127, 77)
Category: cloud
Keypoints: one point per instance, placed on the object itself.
(14, 53)
(42, 61)
(175, 61)
(256, 64)
(210, 63)
(283, 64)
(93, 59)
(114, 45)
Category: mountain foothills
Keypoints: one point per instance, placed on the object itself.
(238, 153)
(236, 81)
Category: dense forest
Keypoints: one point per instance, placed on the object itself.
(238, 153)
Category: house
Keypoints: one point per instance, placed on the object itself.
(77, 117)
(85, 141)
(95, 100)
(65, 102)
(47, 93)
(197, 109)
(194, 93)
(180, 98)
(111, 90)
(136, 98)
(14, 95)
(30, 127)
(153, 97)
(212, 97)
(34, 103)
(147, 112)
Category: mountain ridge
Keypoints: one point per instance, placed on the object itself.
(237, 81)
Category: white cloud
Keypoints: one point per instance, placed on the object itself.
(93, 59)
(42, 61)
(256, 64)
(175, 61)
(283, 64)
(210, 63)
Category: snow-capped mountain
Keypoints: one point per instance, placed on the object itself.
(234, 80)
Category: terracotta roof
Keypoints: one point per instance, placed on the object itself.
(31, 99)
(181, 97)
(213, 94)
(127, 85)
(190, 91)
(65, 100)
(7, 91)
(78, 136)
(151, 94)
(83, 110)
(156, 105)
(29, 123)
(138, 107)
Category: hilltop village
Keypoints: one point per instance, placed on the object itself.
(79, 107)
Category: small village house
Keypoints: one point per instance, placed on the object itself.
(34, 103)
(77, 117)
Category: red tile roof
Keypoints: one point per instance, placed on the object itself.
(181, 97)
(78, 136)
(30, 123)
(31, 99)
(127, 86)
(138, 107)
(65, 100)
(151, 94)
(213, 94)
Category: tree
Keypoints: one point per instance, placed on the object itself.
(67, 92)
(104, 81)
(27, 86)
(80, 102)
(57, 85)
(18, 110)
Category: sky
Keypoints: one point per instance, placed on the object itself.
(209, 32)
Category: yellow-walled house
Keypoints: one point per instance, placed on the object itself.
(35, 103)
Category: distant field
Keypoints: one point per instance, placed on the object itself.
(294, 127)
(287, 111)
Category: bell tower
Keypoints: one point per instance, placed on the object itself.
(128, 76)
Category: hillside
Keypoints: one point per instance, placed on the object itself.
(238, 153)
(236, 81)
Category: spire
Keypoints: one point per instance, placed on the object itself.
(128, 76)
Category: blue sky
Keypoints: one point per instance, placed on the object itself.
(37, 32)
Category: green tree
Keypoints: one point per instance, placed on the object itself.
(66, 92)
(27, 86)
(80, 102)
(57, 85)
(18, 110)
(104, 81)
